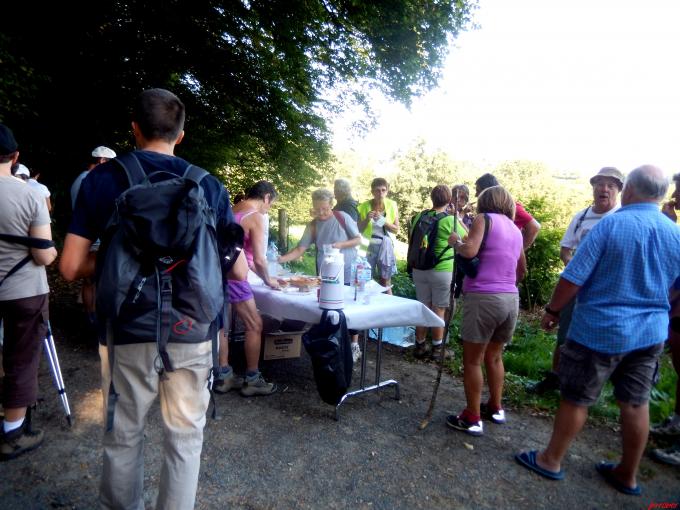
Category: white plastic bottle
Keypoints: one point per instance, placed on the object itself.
(332, 272)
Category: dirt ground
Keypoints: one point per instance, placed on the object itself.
(287, 451)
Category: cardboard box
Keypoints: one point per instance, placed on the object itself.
(281, 344)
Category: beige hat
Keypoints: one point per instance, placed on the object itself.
(609, 171)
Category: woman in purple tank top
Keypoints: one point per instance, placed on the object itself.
(490, 307)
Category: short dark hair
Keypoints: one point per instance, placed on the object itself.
(486, 181)
(379, 181)
(159, 114)
(676, 177)
(260, 189)
(440, 195)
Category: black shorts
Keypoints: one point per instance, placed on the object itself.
(583, 372)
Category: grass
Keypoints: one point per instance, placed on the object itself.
(527, 357)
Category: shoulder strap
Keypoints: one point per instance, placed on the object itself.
(195, 173)
(133, 168)
(439, 258)
(30, 242)
(580, 220)
(341, 219)
(487, 221)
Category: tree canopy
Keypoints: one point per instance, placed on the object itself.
(259, 77)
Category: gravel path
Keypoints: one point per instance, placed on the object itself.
(286, 450)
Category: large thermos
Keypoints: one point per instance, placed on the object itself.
(332, 272)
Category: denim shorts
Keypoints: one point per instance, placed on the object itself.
(583, 373)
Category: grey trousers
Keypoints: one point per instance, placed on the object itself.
(184, 399)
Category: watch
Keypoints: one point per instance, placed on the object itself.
(551, 311)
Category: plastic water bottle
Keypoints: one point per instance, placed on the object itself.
(273, 266)
(362, 275)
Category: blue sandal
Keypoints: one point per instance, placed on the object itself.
(528, 460)
(606, 470)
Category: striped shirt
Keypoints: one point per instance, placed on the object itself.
(625, 268)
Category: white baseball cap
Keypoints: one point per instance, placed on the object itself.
(103, 152)
(22, 170)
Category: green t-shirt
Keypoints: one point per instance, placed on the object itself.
(445, 228)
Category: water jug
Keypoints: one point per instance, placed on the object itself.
(332, 272)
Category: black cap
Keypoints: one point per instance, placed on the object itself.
(8, 144)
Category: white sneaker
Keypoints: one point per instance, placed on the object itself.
(668, 456)
(356, 352)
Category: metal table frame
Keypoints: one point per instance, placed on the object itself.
(362, 379)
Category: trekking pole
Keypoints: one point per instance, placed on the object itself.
(450, 312)
(51, 352)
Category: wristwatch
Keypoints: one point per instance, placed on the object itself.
(551, 311)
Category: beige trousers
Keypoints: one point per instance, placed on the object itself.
(184, 399)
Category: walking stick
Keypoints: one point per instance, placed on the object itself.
(450, 312)
(51, 352)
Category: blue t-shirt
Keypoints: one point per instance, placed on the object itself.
(625, 268)
(104, 183)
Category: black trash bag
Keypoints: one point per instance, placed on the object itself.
(329, 347)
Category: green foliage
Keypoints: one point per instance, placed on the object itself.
(402, 285)
(259, 78)
(543, 258)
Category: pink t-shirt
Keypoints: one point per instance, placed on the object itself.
(247, 245)
(498, 260)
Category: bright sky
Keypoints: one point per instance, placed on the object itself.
(578, 84)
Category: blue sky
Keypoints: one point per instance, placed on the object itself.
(578, 85)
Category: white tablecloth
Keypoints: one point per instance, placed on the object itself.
(383, 310)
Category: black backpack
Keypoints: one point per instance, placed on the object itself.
(328, 345)
(158, 272)
(421, 246)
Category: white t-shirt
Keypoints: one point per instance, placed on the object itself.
(582, 223)
(42, 189)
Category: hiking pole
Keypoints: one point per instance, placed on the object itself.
(450, 312)
(51, 352)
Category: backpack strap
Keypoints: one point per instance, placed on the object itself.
(133, 168)
(31, 242)
(439, 258)
(195, 174)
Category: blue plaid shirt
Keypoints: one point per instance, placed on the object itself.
(625, 268)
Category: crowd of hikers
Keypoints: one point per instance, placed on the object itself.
(167, 251)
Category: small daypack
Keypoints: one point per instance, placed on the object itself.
(158, 272)
(421, 248)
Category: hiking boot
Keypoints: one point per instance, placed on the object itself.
(497, 416)
(670, 456)
(257, 386)
(421, 350)
(460, 423)
(551, 382)
(667, 428)
(356, 352)
(227, 381)
(436, 353)
(19, 441)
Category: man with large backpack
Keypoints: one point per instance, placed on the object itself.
(430, 258)
(163, 224)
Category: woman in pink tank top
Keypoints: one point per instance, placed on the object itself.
(249, 213)
(491, 306)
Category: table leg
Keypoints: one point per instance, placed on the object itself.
(378, 384)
